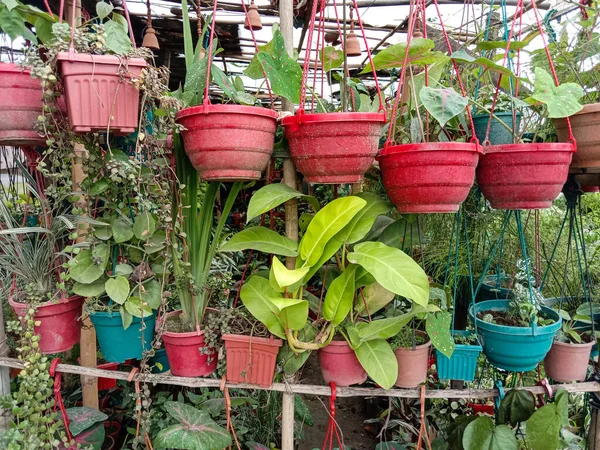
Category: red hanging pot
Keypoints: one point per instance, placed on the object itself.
(20, 106)
(98, 91)
(228, 142)
(339, 364)
(251, 359)
(333, 148)
(59, 327)
(586, 130)
(430, 177)
(524, 176)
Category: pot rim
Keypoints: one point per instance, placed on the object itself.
(302, 118)
(430, 147)
(12, 68)
(271, 341)
(227, 109)
(173, 334)
(500, 113)
(533, 147)
(571, 345)
(99, 59)
(60, 301)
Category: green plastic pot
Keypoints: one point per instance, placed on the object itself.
(491, 289)
(463, 362)
(516, 349)
(160, 356)
(498, 133)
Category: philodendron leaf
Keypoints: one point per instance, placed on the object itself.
(273, 195)
(195, 430)
(117, 289)
(339, 297)
(442, 103)
(383, 328)
(481, 434)
(517, 406)
(543, 428)
(562, 100)
(293, 312)
(420, 53)
(262, 239)
(256, 295)
(331, 58)
(379, 361)
(144, 226)
(371, 299)
(89, 264)
(438, 330)
(281, 277)
(363, 221)
(393, 269)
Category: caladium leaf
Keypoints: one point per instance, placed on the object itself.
(262, 239)
(561, 100)
(481, 434)
(82, 417)
(438, 330)
(331, 58)
(443, 103)
(420, 53)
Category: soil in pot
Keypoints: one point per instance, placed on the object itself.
(413, 362)
(339, 364)
(567, 362)
(505, 319)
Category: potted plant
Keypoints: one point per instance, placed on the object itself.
(503, 123)
(462, 364)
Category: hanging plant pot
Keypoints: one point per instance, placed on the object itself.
(567, 362)
(412, 364)
(20, 106)
(251, 359)
(333, 148)
(492, 288)
(99, 95)
(428, 178)
(523, 176)
(118, 344)
(228, 142)
(60, 324)
(516, 349)
(586, 130)
(187, 353)
(339, 364)
(462, 365)
(159, 362)
(499, 133)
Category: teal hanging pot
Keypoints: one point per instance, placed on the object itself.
(462, 365)
(516, 349)
(499, 134)
(118, 344)
(160, 362)
(491, 288)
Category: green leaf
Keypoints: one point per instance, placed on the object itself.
(89, 265)
(493, 45)
(294, 312)
(273, 195)
(438, 330)
(144, 226)
(102, 184)
(122, 230)
(562, 100)
(117, 39)
(456, 431)
(382, 328)
(561, 400)
(379, 361)
(81, 418)
(482, 435)
(123, 269)
(517, 406)
(103, 10)
(43, 29)
(195, 80)
(262, 239)
(393, 269)
(136, 307)
(150, 292)
(331, 58)
(156, 243)
(281, 277)
(373, 297)
(12, 23)
(442, 103)
(95, 289)
(363, 221)
(10, 4)
(420, 53)
(126, 318)
(543, 428)
(484, 63)
(103, 233)
(339, 297)
(326, 223)
(256, 295)
(117, 289)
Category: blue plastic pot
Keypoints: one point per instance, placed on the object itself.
(463, 362)
(491, 290)
(498, 133)
(118, 344)
(160, 357)
(516, 349)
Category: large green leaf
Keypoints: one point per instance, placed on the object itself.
(144, 226)
(543, 428)
(331, 58)
(262, 239)
(438, 330)
(81, 418)
(482, 435)
(379, 361)
(420, 53)
(294, 312)
(137, 307)
(117, 39)
(150, 292)
(517, 406)
(89, 264)
(122, 230)
(372, 298)
(195, 430)
(281, 277)
(94, 289)
(256, 294)
(562, 100)
(363, 221)
(383, 328)
(326, 223)
(339, 297)
(273, 195)
(393, 269)
(442, 103)
(103, 9)
(117, 289)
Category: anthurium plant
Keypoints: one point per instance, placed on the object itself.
(368, 276)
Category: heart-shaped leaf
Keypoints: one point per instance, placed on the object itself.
(420, 53)
(562, 100)
(442, 103)
(117, 289)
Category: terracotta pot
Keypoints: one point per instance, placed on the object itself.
(339, 364)
(228, 142)
(183, 353)
(586, 130)
(523, 176)
(60, 324)
(98, 93)
(568, 362)
(333, 148)
(251, 359)
(412, 365)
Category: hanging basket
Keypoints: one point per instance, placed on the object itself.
(99, 93)
(462, 365)
(430, 177)
(586, 130)
(516, 349)
(523, 176)
(60, 324)
(339, 364)
(251, 359)
(333, 148)
(20, 106)
(491, 288)
(499, 134)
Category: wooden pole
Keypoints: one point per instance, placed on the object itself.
(594, 431)
(5, 414)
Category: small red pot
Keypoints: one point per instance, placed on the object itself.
(20, 106)
(183, 353)
(333, 148)
(524, 176)
(113, 430)
(339, 364)
(60, 324)
(99, 96)
(429, 178)
(228, 142)
(251, 359)
(568, 362)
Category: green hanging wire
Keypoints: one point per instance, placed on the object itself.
(526, 259)
(469, 265)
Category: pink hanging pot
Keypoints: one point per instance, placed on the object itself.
(524, 176)
(566, 362)
(429, 178)
(251, 359)
(586, 130)
(333, 148)
(339, 364)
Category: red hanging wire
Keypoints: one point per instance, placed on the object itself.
(206, 100)
(332, 428)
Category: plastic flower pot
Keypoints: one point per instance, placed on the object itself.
(98, 92)
(412, 365)
(498, 134)
(523, 176)
(516, 349)
(186, 353)
(491, 288)
(60, 324)
(112, 430)
(339, 364)
(251, 359)
(566, 362)
(20, 106)
(462, 365)
(428, 178)
(586, 130)
(118, 344)
(105, 384)
(333, 148)
(228, 142)
(160, 362)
